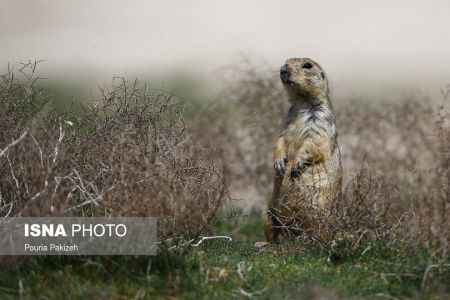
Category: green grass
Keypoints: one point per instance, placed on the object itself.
(280, 271)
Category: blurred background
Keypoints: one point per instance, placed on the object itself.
(371, 49)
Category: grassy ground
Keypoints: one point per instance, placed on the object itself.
(218, 270)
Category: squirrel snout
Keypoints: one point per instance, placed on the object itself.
(285, 73)
(284, 70)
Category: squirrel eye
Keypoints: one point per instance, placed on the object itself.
(307, 66)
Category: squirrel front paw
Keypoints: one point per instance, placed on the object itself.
(280, 166)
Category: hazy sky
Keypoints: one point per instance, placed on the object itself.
(383, 44)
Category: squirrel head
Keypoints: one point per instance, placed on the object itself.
(304, 79)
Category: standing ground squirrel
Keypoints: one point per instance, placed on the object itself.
(307, 157)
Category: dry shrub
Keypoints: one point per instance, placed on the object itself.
(430, 221)
(365, 211)
(396, 138)
(128, 154)
(407, 144)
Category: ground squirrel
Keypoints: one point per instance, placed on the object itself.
(307, 157)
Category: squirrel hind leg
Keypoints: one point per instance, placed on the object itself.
(271, 227)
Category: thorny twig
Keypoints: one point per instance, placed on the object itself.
(13, 143)
(205, 238)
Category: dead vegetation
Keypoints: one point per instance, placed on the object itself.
(127, 154)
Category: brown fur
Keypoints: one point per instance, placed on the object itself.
(307, 156)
